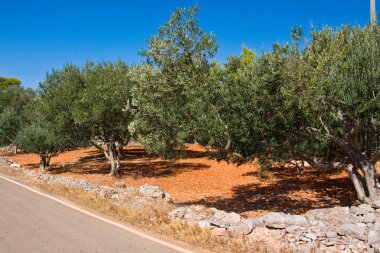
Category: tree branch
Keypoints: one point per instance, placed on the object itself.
(320, 166)
(324, 126)
(93, 142)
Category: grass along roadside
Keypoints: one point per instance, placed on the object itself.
(153, 217)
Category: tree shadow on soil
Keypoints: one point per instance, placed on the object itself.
(286, 192)
(160, 168)
(135, 162)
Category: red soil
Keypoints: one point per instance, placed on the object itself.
(196, 179)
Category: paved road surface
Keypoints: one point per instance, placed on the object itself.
(32, 223)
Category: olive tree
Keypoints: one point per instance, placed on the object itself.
(15, 102)
(49, 128)
(90, 105)
(318, 105)
(341, 94)
(224, 103)
(177, 66)
(105, 108)
(59, 94)
(15, 97)
(10, 124)
(41, 138)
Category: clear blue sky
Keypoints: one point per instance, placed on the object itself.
(37, 36)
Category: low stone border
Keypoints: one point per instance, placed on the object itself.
(146, 193)
(338, 229)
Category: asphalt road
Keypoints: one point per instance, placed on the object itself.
(35, 224)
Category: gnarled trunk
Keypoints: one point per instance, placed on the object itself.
(358, 181)
(44, 162)
(113, 153)
(119, 152)
(361, 171)
(372, 181)
(114, 158)
(365, 181)
(14, 150)
(111, 157)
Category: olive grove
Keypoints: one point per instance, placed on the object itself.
(312, 101)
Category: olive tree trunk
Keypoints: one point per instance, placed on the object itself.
(362, 170)
(45, 161)
(113, 153)
(14, 149)
(366, 182)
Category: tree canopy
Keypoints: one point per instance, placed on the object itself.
(41, 137)
(178, 64)
(8, 81)
(319, 105)
(15, 101)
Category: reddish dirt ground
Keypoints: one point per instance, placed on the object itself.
(196, 179)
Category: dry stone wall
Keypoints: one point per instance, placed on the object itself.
(337, 229)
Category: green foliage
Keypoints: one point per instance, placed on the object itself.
(225, 106)
(247, 56)
(14, 104)
(93, 104)
(38, 129)
(343, 88)
(264, 166)
(9, 81)
(291, 104)
(170, 85)
(47, 126)
(105, 106)
(181, 45)
(10, 124)
(59, 96)
(39, 138)
(15, 97)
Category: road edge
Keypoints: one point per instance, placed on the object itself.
(131, 230)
